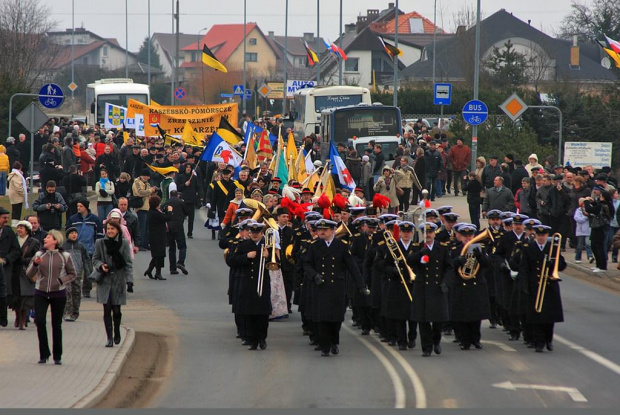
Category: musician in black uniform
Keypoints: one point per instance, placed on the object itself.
(531, 268)
(509, 242)
(519, 297)
(495, 222)
(286, 234)
(255, 307)
(446, 234)
(359, 247)
(234, 276)
(442, 210)
(326, 263)
(303, 237)
(469, 298)
(429, 308)
(399, 287)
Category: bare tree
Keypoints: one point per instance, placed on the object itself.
(540, 66)
(465, 16)
(591, 22)
(23, 46)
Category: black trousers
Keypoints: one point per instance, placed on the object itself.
(515, 324)
(398, 331)
(328, 334)
(240, 323)
(430, 335)
(412, 335)
(597, 240)
(256, 326)
(448, 181)
(288, 278)
(16, 211)
(458, 181)
(365, 318)
(57, 305)
(469, 332)
(543, 334)
(404, 199)
(528, 330)
(494, 319)
(190, 218)
(176, 239)
(474, 214)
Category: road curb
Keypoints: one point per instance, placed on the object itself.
(106, 383)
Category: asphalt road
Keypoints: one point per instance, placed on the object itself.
(213, 370)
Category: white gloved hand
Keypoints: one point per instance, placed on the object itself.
(208, 205)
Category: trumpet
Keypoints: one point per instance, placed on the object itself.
(270, 243)
(398, 256)
(471, 267)
(554, 253)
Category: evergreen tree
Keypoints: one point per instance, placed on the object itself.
(143, 54)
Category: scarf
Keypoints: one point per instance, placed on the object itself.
(113, 248)
(24, 185)
(103, 182)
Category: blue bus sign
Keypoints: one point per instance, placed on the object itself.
(51, 96)
(443, 94)
(475, 112)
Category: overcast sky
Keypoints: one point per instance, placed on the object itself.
(107, 18)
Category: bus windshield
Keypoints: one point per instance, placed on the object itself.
(335, 101)
(116, 99)
(365, 122)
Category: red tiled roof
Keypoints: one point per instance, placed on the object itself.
(63, 57)
(403, 24)
(222, 39)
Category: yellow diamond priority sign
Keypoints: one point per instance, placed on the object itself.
(73, 86)
(264, 90)
(514, 107)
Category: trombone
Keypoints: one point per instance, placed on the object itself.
(554, 254)
(398, 256)
(270, 242)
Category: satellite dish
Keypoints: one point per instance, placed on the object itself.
(606, 63)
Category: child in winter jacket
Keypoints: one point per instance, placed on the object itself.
(582, 232)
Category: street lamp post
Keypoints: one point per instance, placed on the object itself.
(245, 42)
(148, 46)
(318, 42)
(284, 96)
(72, 57)
(126, 40)
(340, 46)
(395, 95)
(474, 130)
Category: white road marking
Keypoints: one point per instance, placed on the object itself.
(590, 354)
(501, 345)
(418, 387)
(399, 388)
(572, 392)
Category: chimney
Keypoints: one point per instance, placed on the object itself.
(390, 5)
(271, 34)
(362, 22)
(460, 30)
(309, 37)
(574, 54)
(349, 28)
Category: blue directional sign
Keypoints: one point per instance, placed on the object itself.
(443, 94)
(248, 94)
(475, 112)
(51, 96)
(238, 90)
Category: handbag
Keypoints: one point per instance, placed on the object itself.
(399, 191)
(599, 221)
(95, 276)
(136, 202)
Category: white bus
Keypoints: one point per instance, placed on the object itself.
(117, 91)
(309, 103)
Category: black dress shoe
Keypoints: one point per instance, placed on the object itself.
(550, 347)
(182, 268)
(334, 349)
(325, 354)
(478, 346)
(245, 343)
(159, 277)
(174, 272)
(238, 336)
(411, 344)
(384, 340)
(58, 362)
(86, 295)
(117, 339)
(514, 337)
(317, 348)
(437, 349)
(365, 332)
(43, 361)
(313, 342)
(402, 347)
(263, 344)
(110, 343)
(426, 354)
(392, 343)
(149, 274)
(530, 345)
(190, 236)
(447, 332)
(493, 326)
(305, 333)
(539, 349)
(253, 347)
(465, 346)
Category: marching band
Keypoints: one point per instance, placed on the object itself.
(398, 277)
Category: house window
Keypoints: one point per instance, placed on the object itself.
(251, 57)
(351, 65)
(105, 51)
(253, 41)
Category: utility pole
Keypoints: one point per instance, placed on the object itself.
(149, 42)
(340, 46)
(126, 40)
(284, 96)
(474, 130)
(245, 35)
(318, 42)
(395, 95)
(72, 58)
(176, 48)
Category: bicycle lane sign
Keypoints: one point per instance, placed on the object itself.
(475, 112)
(51, 96)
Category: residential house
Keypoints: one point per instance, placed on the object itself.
(165, 47)
(298, 67)
(226, 43)
(549, 59)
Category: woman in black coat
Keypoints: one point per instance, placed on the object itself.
(157, 225)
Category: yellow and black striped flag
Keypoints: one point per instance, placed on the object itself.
(312, 57)
(391, 50)
(209, 59)
(228, 132)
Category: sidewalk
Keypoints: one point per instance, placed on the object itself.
(459, 204)
(87, 372)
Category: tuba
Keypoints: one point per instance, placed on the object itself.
(261, 213)
(554, 254)
(398, 256)
(471, 267)
(343, 231)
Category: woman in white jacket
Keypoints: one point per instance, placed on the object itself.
(582, 232)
